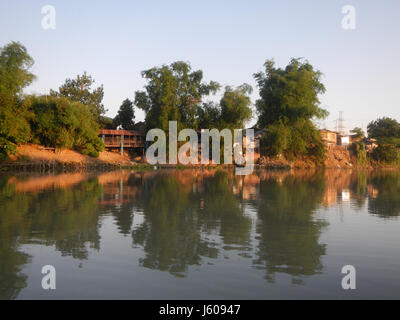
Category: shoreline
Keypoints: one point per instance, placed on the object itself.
(34, 158)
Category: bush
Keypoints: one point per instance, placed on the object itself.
(61, 123)
(386, 153)
(300, 138)
(360, 152)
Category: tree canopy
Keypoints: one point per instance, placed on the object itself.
(358, 132)
(288, 103)
(289, 94)
(384, 128)
(59, 122)
(126, 116)
(80, 90)
(15, 63)
(173, 92)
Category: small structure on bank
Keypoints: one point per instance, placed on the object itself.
(330, 138)
(124, 139)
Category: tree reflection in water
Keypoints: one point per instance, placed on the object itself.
(188, 217)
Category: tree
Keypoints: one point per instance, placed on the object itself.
(358, 132)
(386, 130)
(232, 111)
(386, 153)
(173, 92)
(289, 94)
(80, 90)
(61, 123)
(209, 116)
(15, 63)
(126, 116)
(288, 103)
(235, 106)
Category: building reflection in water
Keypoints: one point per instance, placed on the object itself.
(187, 216)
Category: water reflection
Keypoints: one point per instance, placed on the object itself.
(289, 236)
(185, 218)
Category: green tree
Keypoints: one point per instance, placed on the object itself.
(209, 116)
(235, 106)
(173, 92)
(385, 130)
(358, 132)
(288, 103)
(126, 116)
(386, 153)
(61, 123)
(15, 63)
(80, 90)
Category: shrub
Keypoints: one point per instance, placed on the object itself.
(386, 153)
(61, 123)
(360, 152)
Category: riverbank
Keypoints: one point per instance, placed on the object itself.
(30, 157)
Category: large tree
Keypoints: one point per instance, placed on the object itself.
(288, 103)
(235, 106)
(15, 63)
(126, 116)
(384, 128)
(173, 92)
(232, 111)
(289, 94)
(81, 90)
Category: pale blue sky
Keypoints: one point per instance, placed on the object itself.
(228, 40)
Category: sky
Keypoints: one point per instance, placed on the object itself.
(229, 40)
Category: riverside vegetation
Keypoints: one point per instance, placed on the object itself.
(70, 117)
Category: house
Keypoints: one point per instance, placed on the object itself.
(343, 140)
(330, 138)
(120, 139)
(370, 144)
(354, 138)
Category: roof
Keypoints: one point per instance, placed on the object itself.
(121, 132)
(327, 130)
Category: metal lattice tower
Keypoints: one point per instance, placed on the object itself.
(340, 124)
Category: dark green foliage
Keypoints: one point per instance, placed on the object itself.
(61, 123)
(293, 140)
(106, 123)
(15, 63)
(288, 103)
(140, 126)
(361, 153)
(386, 153)
(387, 132)
(358, 132)
(209, 116)
(384, 128)
(126, 116)
(80, 90)
(173, 92)
(235, 107)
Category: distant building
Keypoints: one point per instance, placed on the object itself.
(120, 139)
(354, 138)
(370, 144)
(343, 140)
(330, 138)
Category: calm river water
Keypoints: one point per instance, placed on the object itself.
(200, 234)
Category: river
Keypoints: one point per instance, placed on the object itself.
(190, 234)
